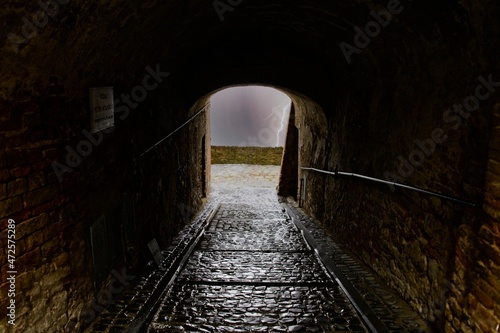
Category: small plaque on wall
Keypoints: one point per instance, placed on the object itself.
(102, 109)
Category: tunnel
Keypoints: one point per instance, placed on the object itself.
(384, 94)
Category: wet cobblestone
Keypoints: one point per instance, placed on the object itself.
(253, 272)
(287, 240)
(223, 308)
(254, 267)
(250, 225)
(249, 214)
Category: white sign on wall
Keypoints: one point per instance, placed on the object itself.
(102, 109)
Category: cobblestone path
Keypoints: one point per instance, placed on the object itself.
(253, 272)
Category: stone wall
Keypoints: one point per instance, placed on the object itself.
(424, 247)
(474, 297)
(141, 197)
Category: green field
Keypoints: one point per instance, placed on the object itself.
(246, 155)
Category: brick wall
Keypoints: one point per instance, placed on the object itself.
(56, 283)
(474, 298)
(440, 256)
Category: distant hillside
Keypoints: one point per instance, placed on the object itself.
(246, 155)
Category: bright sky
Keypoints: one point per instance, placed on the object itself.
(249, 116)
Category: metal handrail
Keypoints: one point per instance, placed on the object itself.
(412, 188)
(176, 130)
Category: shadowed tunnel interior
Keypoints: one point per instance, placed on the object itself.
(405, 91)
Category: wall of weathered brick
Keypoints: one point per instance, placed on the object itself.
(474, 297)
(439, 255)
(55, 280)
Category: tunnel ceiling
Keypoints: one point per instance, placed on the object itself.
(292, 44)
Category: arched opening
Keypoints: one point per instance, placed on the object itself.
(248, 126)
(301, 141)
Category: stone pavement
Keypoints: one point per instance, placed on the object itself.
(252, 271)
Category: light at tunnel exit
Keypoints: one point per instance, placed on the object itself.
(249, 116)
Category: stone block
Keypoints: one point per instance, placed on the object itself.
(58, 202)
(45, 208)
(33, 241)
(52, 230)
(20, 172)
(55, 216)
(465, 328)
(21, 216)
(491, 205)
(53, 281)
(49, 248)
(487, 234)
(449, 328)
(455, 307)
(497, 311)
(10, 206)
(490, 291)
(493, 188)
(56, 302)
(485, 319)
(36, 181)
(494, 167)
(35, 292)
(29, 260)
(491, 251)
(61, 260)
(17, 187)
(45, 194)
(32, 225)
